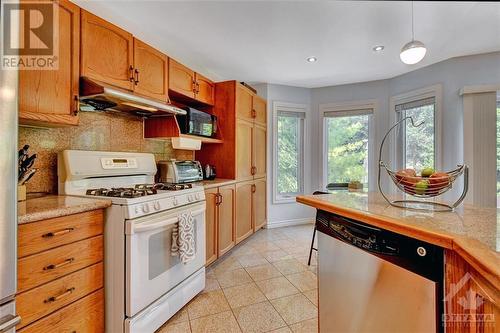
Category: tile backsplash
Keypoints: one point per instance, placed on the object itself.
(96, 131)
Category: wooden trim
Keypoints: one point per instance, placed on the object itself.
(28, 118)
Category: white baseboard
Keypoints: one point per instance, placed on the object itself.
(287, 223)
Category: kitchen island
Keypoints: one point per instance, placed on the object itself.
(470, 237)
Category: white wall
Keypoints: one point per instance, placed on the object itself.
(288, 213)
(452, 74)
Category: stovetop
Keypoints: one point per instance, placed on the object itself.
(138, 190)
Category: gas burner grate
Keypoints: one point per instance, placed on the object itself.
(122, 192)
(164, 186)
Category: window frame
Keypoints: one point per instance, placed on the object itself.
(344, 108)
(436, 92)
(296, 108)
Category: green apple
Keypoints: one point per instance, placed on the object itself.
(421, 186)
(427, 172)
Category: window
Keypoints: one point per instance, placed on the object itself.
(347, 145)
(498, 149)
(288, 180)
(417, 145)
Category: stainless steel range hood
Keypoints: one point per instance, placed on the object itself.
(98, 97)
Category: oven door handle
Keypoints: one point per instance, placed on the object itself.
(162, 223)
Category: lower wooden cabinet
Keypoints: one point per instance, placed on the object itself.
(219, 220)
(472, 304)
(259, 203)
(244, 223)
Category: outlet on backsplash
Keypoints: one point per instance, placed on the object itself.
(96, 131)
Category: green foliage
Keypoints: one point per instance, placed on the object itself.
(347, 149)
(420, 140)
(288, 154)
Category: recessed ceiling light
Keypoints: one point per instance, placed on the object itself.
(378, 48)
(312, 59)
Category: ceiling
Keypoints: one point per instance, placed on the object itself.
(269, 41)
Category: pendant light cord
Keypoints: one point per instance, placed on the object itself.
(412, 29)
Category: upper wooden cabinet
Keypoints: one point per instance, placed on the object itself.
(259, 110)
(107, 52)
(205, 89)
(242, 155)
(50, 96)
(184, 82)
(150, 71)
(181, 79)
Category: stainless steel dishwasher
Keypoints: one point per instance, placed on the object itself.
(374, 280)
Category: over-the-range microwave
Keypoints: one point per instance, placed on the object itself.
(197, 122)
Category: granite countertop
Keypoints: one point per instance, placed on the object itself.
(472, 232)
(208, 184)
(51, 206)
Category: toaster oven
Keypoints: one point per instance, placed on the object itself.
(177, 172)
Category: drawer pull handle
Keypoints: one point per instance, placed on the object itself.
(54, 266)
(61, 296)
(57, 233)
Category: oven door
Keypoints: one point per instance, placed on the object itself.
(150, 269)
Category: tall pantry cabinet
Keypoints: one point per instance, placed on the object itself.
(242, 155)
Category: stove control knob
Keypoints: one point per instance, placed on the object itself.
(175, 202)
(157, 205)
(145, 208)
(197, 196)
(190, 198)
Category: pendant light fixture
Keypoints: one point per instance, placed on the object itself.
(414, 51)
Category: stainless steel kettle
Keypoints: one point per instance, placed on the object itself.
(209, 172)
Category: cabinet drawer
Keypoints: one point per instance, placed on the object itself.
(46, 266)
(83, 316)
(40, 236)
(41, 301)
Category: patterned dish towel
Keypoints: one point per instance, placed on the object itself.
(183, 244)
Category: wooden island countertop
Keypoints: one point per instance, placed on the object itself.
(472, 232)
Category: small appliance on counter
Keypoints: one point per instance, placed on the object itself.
(209, 172)
(177, 172)
(197, 122)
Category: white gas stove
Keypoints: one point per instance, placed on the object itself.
(144, 284)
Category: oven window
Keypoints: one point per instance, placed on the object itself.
(160, 260)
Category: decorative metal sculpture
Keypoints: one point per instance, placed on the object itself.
(436, 186)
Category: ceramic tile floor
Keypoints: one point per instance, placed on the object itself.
(262, 285)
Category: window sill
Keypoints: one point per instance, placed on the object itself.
(285, 200)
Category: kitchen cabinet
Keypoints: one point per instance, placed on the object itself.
(205, 89)
(107, 52)
(226, 239)
(150, 71)
(61, 274)
(468, 295)
(184, 82)
(259, 203)
(50, 97)
(259, 151)
(212, 197)
(181, 79)
(244, 220)
(244, 157)
(259, 110)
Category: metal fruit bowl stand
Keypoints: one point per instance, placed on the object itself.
(423, 196)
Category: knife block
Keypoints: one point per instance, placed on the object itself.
(21, 192)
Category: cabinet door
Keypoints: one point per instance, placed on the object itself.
(211, 226)
(244, 223)
(259, 110)
(259, 203)
(181, 79)
(50, 96)
(150, 71)
(107, 52)
(205, 90)
(259, 155)
(244, 130)
(243, 103)
(226, 218)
